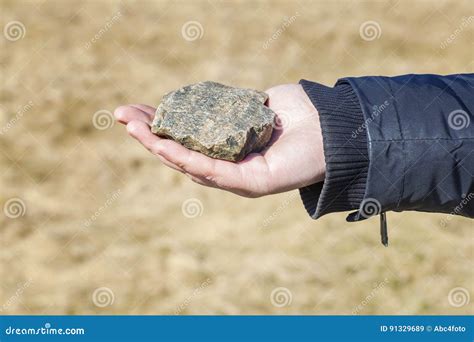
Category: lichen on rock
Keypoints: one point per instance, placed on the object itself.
(219, 121)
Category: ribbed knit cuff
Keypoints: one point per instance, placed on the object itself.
(345, 150)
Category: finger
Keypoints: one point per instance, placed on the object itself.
(145, 108)
(126, 114)
(209, 171)
(218, 173)
(201, 181)
(141, 132)
(170, 165)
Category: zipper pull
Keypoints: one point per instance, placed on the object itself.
(383, 229)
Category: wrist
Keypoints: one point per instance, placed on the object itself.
(345, 150)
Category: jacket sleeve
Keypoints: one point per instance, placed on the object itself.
(395, 143)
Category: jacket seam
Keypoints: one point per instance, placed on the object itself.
(403, 141)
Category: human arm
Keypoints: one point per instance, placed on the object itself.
(387, 142)
(293, 159)
(420, 144)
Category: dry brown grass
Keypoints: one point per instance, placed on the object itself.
(141, 246)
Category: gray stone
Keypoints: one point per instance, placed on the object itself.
(217, 120)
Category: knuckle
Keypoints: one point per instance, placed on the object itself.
(211, 178)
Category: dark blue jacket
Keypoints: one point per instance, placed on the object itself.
(395, 143)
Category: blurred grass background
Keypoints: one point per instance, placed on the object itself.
(101, 214)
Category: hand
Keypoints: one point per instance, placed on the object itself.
(293, 158)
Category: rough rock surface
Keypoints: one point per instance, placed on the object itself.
(217, 120)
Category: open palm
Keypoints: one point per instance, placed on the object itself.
(293, 158)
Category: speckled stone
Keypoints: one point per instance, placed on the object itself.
(217, 120)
